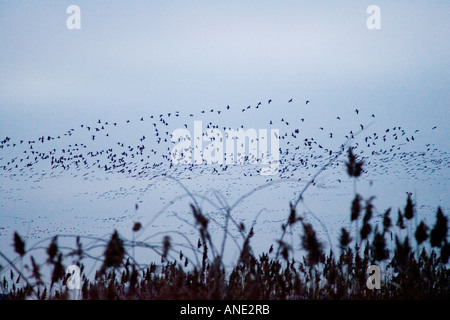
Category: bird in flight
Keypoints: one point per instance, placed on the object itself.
(307, 101)
(357, 111)
(290, 100)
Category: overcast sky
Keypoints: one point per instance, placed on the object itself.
(139, 57)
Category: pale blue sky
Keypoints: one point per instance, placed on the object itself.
(139, 57)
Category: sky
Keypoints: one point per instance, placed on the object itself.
(136, 58)
(139, 57)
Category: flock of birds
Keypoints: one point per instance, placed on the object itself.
(97, 147)
(140, 148)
